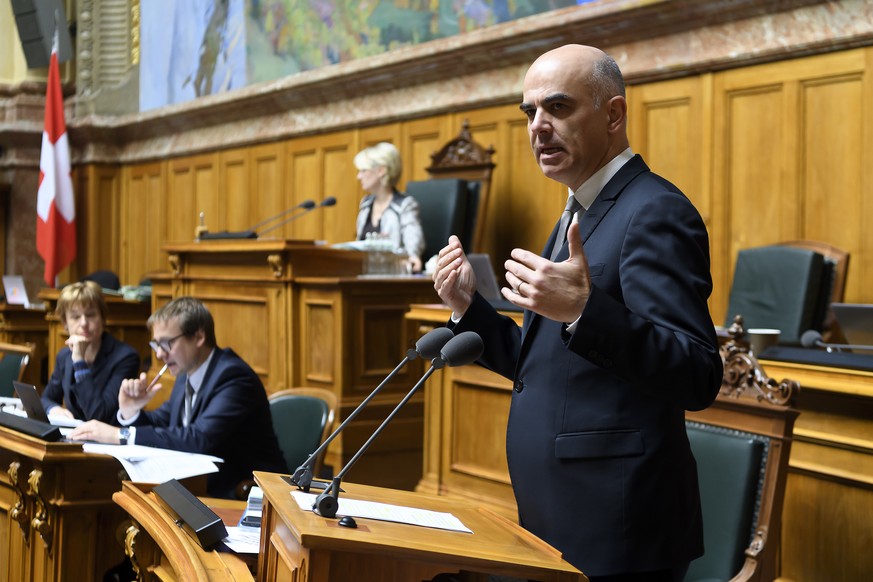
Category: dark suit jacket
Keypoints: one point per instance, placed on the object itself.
(598, 456)
(231, 419)
(96, 396)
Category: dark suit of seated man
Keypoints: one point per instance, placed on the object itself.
(225, 412)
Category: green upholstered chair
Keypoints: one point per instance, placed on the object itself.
(780, 287)
(302, 419)
(442, 207)
(836, 264)
(741, 444)
(13, 361)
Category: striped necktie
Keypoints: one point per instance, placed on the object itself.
(572, 208)
(189, 402)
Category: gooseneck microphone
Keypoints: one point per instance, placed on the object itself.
(329, 201)
(252, 232)
(812, 339)
(428, 347)
(465, 348)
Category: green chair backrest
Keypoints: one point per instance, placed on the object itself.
(780, 287)
(299, 421)
(730, 468)
(11, 367)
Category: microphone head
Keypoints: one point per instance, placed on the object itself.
(430, 344)
(307, 204)
(465, 348)
(329, 201)
(810, 338)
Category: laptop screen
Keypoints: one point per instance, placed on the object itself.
(30, 401)
(856, 322)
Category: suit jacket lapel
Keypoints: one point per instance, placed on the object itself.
(589, 220)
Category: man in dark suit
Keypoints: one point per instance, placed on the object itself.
(617, 338)
(218, 405)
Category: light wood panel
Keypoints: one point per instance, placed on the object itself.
(143, 225)
(790, 160)
(192, 188)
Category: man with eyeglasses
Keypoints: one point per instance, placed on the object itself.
(218, 405)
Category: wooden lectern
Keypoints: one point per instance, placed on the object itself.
(58, 520)
(300, 545)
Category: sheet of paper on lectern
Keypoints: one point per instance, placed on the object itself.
(388, 512)
(155, 465)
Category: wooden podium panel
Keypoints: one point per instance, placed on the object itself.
(57, 519)
(300, 545)
(19, 325)
(160, 549)
(466, 410)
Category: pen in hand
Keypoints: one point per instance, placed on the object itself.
(156, 378)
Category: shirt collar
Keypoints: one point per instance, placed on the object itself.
(195, 378)
(588, 191)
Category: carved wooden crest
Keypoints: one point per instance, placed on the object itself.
(461, 152)
(744, 376)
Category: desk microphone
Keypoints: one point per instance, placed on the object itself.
(428, 347)
(252, 232)
(465, 348)
(329, 201)
(811, 338)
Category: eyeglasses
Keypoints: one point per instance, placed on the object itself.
(166, 344)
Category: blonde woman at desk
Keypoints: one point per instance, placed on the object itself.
(89, 370)
(385, 212)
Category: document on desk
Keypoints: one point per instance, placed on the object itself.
(154, 465)
(388, 512)
(243, 539)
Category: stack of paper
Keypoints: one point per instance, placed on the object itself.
(252, 515)
(154, 465)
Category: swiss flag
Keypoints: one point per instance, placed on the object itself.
(55, 208)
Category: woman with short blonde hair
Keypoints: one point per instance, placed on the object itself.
(89, 369)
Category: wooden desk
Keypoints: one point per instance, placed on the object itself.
(57, 519)
(466, 409)
(826, 525)
(300, 545)
(160, 549)
(19, 325)
(126, 320)
(301, 315)
(826, 529)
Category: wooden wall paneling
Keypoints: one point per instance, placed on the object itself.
(764, 167)
(669, 127)
(267, 193)
(421, 138)
(753, 207)
(97, 218)
(235, 188)
(337, 223)
(143, 223)
(318, 167)
(370, 136)
(192, 188)
(861, 265)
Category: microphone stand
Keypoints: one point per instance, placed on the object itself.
(329, 201)
(462, 349)
(428, 346)
(252, 232)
